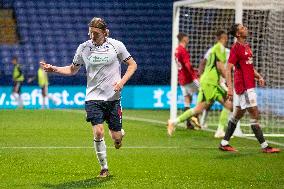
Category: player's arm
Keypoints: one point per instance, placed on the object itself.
(132, 66)
(220, 55)
(31, 79)
(203, 62)
(221, 68)
(201, 66)
(66, 70)
(192, 73)
(259, 78)
(187, 64)
(229, 80)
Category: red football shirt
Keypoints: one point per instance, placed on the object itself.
(242, 58)
(186, 73)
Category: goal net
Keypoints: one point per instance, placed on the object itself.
(200, 19)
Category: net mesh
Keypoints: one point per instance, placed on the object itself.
(265, 21)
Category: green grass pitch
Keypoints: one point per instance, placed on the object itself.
(52, 149)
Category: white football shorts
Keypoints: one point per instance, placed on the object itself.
(246, 100)
(189, 89)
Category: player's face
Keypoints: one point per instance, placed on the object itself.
(186, 40)
(14, 61)
(242, 31)
(225, 38)
(96, 33)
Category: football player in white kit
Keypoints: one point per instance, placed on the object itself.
(101, 56)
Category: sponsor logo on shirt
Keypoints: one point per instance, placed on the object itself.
(249, 61)
(98, 59)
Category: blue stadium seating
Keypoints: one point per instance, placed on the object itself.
(53, 30)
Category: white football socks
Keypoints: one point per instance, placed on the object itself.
(264, 144)
(100, 148)
(224, 142)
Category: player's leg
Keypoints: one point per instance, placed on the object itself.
(114, 120)
(51, 97)
(44, 97)
(203, 118)
(186, 92)
(223, 119)
(187, 100)
(202, 103)
(100, 147)
(95, 115)
(237, 115)
(232, 124)
(251, 104)
(194, 120)
(187, 115)
(220, 95)
(17, 93)
(192, 112)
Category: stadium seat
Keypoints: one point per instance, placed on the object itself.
(47, 27)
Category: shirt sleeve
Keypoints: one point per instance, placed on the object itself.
(122, 53)
(207, 53)
(233, 56)
(187, 64)
(220, 53)
(78, 59)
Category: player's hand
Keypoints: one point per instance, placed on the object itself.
(118, 86)
(230, 94)
(196, 82)
(47, 67)
(261, 82)
(30, 80)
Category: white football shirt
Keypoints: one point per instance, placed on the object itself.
(103, 67)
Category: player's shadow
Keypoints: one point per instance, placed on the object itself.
(88, 183)
(234, 155)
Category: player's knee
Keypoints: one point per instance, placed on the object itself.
(198, 110)
(99, 132)
(116, 136)
(229, 106)
(254, 114)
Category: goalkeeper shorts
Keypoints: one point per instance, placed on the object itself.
(210, 93)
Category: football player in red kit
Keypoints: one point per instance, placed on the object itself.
(187, 77)
(241, 59)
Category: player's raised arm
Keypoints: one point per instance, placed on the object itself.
(65, 70)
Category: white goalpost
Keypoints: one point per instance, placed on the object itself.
(265, 20)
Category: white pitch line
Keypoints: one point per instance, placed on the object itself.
(164, 123)
(82, 147)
